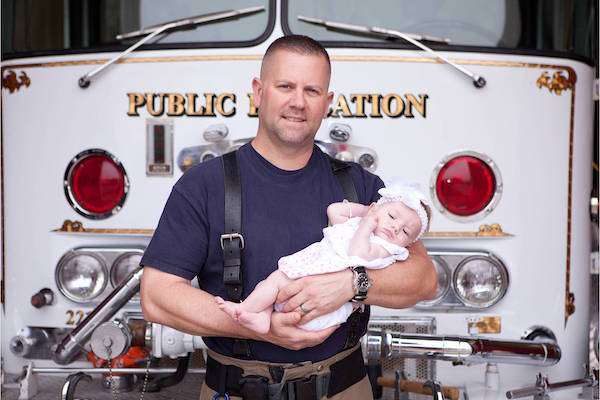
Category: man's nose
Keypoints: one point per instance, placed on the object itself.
(298, 100)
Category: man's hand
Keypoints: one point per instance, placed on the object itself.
(318, 294)
(285, 333)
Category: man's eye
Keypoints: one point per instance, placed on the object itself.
(391, 216)
(405, 231)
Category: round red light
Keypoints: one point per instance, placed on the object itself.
(465, 185)
(97, 184)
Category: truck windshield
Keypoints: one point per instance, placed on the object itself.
(527, 25)
(36, 27)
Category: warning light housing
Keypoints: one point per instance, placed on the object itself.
(466, 186)
(96, 184)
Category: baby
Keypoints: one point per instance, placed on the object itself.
(372, 236)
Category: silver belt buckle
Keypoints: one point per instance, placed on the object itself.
(231, 236)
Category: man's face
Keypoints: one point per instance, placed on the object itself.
(292, 97)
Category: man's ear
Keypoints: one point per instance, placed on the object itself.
(257, 87)
(329, 100)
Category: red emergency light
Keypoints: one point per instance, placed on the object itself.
(96, 184)
(465, 185)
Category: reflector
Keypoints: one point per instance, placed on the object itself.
(96, 184)
(465, 185)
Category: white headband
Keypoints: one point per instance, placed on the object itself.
(410, 196)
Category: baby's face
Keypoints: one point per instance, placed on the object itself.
(397, 223)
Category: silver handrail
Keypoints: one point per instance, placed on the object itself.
(381, 343)
(73, 343)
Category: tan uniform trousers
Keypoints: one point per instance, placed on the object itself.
(360, 390)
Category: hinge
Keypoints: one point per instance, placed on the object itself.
(596, 90)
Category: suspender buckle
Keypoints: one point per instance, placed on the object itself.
(231, 236)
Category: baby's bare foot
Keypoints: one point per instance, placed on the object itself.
(229, 307)
(258, 322)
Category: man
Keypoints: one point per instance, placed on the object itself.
(287, 184)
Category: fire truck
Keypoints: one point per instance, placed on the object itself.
(488, 106)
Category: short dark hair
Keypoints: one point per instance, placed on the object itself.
(298, 44)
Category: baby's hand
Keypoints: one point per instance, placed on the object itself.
(370, 219)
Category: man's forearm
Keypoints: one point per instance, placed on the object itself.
(404, 283)
(175, 303)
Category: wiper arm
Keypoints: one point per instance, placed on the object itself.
(478, 81)
(371, 31)
(153, 31)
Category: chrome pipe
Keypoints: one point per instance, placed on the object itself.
(459, 349)
(123, 371)
(72, 344)
(543, 387)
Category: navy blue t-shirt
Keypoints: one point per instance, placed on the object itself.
(282, 212)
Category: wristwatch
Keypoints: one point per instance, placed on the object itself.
(361, 284)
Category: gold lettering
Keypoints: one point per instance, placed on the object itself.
(374, 99)
(210, 104)
(191, 110)
(221, 104)
(341, 106)
(150, 104)
(136, 100)
(359, 99)
(176, 104)
(253, 110)
(386, 104)
(419, 105)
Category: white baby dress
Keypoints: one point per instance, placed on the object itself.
(331, 255)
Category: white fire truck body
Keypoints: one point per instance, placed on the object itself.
(531, 124)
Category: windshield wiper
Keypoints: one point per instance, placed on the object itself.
(478, 81)
(153, 31)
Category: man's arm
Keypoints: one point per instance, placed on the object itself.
(171, 300)
(400, 285)
(404, 283)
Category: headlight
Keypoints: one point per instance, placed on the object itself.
(480, 281)
(125, 264)
(443, 277)
(81, 277)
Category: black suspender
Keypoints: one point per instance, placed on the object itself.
(232, 241)
(341, 170)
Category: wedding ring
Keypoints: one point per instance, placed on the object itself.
(304, 311)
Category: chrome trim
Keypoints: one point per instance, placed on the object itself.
(460, 349)
(69, 192)
(166, 167)
(127, 253)
(340, 132)
(443, 265)
(72, 344)
(68, 256)
(503, 273)
(450, 301)
(538, 333)
(543, 387)
(488, 208)
(215, 133)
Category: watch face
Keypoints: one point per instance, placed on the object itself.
(363, 283)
